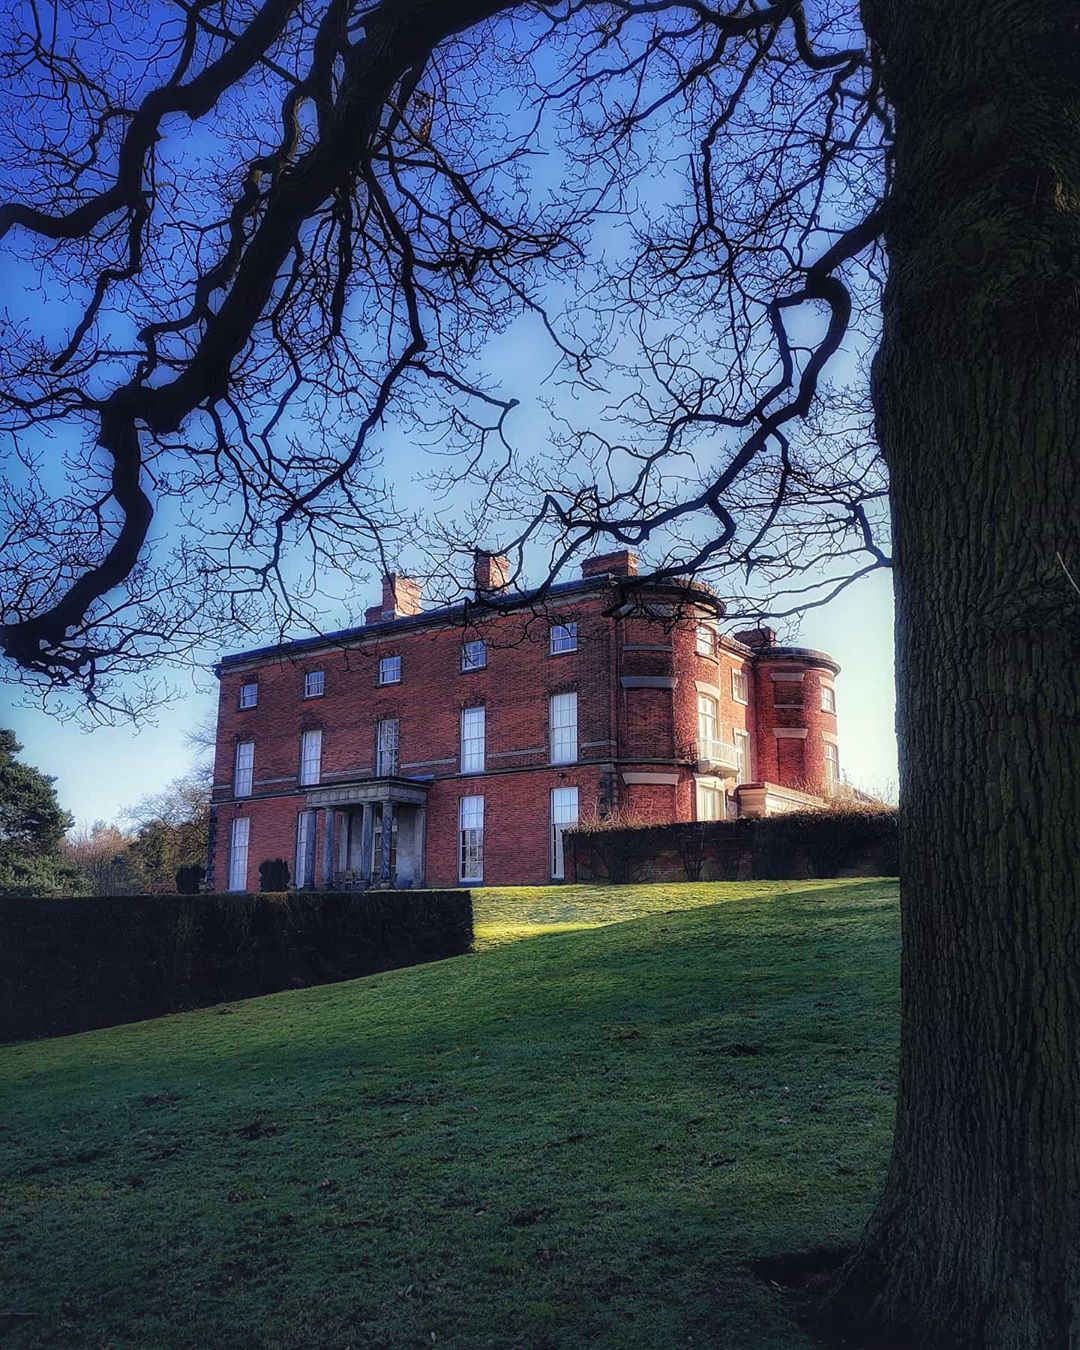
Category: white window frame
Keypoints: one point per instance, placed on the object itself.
(387, 747)
(708, 718)
(828, 698)
(473, 739)
(832, 765)
(474, 655)
(742, 749)
(243, 768)
(711, 802)
(310, 758)
(315, 684)
(239, 844)
(389, 669)
(563, 727)
(562, 637)
(304, 859)
(471, 839)
(249, 694)
(705, 640)
(740, 685)
(565, 811)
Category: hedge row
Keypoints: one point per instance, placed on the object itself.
(795, 846)
(74, 964)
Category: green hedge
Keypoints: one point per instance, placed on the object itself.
(74, 964)
(795, 846)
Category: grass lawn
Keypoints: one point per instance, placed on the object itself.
(578, 1138)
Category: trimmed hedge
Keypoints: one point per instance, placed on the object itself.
(787, 847)
(75, 964)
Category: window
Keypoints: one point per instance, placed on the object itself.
(314, 684)
(386, 747)
(310, 758)
(564, 813)
(828, 698)
(390, 670)
(245, 767)
(471, 839)
(304, 868)
(742, 750)
(472, 740)
(787, 693)
(474, 656)
(739, 687)
(563, 638)
(711, 802)
(563, 724)
(705, 640)
(832, 766)
(706, 725)
(238, 853)
(249, 695)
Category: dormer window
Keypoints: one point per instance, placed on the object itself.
(563, 638)
(315, 684)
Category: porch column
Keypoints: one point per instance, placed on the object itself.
(344, 830)
(418, 846)
(387, 836)
(328, 847)
(367, 842)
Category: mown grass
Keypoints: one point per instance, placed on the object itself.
(508, 913)
(582, 1139)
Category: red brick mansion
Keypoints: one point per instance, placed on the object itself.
(455, 745)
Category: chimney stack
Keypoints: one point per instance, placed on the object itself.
(491, 571)
(756, 637)
(400, 598)
(622, 563)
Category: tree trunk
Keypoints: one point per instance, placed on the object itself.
(976, 1240)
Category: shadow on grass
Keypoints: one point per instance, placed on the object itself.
(587, 1136)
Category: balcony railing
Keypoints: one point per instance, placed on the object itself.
(715, 756)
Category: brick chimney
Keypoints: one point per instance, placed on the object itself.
(756, 637)
(400, 597)
(622, 563)
(491, 571)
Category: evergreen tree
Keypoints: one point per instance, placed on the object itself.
(32, 826)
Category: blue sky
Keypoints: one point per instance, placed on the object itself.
(101, 771)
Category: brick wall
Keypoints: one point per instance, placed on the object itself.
(792, 726)
(637, 680)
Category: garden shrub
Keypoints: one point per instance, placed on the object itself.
(189, 878)
(273, 874)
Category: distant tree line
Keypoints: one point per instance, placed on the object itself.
(42, 854)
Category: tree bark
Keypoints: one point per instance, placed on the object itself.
(976, 1239)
